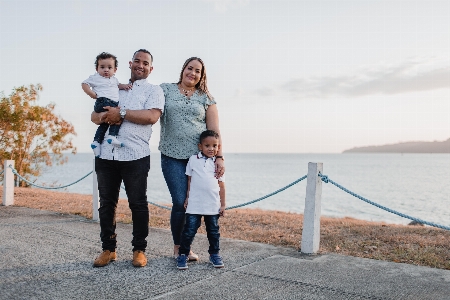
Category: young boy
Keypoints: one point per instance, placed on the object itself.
(104, 87)
(205, 197)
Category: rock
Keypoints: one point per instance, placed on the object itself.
(415, 223)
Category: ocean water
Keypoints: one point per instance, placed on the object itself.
(414, 184)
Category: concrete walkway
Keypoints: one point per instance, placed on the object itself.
(46, 255)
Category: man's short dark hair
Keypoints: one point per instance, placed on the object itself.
(144, 51)
(208, 133)
(106, 55)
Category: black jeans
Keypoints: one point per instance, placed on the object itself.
(102, 128)
(110, 174)
(190, 229)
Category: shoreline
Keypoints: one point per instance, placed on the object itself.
(418, 245)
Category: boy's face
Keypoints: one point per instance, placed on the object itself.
(106, 67)
(209, 146)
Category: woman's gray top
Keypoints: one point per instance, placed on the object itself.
(182, 122)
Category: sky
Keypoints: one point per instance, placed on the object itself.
(304, 76)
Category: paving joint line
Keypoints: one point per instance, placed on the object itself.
(226, 271)
(314, 286)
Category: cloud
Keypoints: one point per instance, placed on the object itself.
(408, 76)
(222, 6)
(264, 91)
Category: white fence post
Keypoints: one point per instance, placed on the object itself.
(8, 183)
(95, 197)
(311, 216)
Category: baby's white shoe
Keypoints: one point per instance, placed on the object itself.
(114, 141)
(96, 147)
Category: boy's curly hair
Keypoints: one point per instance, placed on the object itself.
(208, 133)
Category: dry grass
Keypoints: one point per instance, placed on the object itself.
(416, 245)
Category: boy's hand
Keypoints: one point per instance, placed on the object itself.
(222, 211)
(185, 203)
(123, 86)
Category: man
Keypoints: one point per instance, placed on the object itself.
(139, 108)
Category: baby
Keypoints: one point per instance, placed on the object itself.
(104, 87)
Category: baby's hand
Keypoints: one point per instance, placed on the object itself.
(126, 87)
(222, 211)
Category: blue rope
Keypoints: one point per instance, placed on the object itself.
(243, 204)
(268, 195)
(2, 172)
(46, 187)
(326, 180)
(153, 203)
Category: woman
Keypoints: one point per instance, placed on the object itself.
(189, 110)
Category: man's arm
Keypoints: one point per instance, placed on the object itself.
(96, 118)
(142, 116)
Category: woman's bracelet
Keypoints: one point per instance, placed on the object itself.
(220, 156)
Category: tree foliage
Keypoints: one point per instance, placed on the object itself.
(32, 135)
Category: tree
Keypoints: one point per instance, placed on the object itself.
(32, 135)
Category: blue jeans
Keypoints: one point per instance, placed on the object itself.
(110, 174)
(102, 128)
(190, 229)
(174, 171)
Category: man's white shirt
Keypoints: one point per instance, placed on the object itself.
(135, 137)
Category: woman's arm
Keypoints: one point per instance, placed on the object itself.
(222, 198)
(212, 123)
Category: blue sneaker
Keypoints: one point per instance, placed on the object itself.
(216, 260)
(182, 260)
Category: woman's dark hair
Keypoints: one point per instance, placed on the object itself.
(201, 85)
(208, 133)
(106, 55)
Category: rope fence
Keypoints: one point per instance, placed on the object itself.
(268, 195)
(47, 187)
(324, 178)
(243, 204)
(328, 180)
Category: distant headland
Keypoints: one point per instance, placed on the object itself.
(406, 147)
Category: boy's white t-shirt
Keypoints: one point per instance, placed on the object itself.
(204, 189)
(104, 87)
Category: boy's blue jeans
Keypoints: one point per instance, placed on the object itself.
(102, 128)
(190, 229)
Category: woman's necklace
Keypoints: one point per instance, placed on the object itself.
(186, 92)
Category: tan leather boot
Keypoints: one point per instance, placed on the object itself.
(105, 258)
(139, 258)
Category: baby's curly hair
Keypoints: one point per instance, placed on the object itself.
(105, 55)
